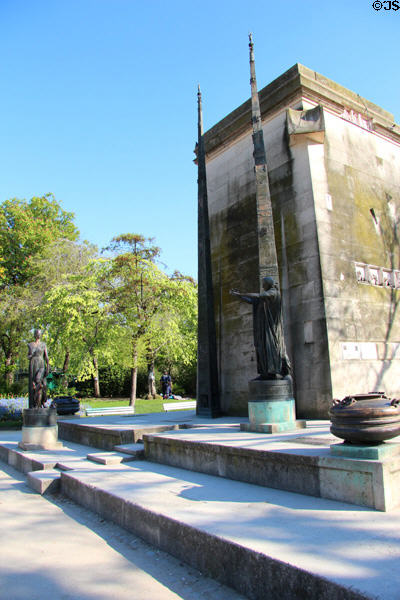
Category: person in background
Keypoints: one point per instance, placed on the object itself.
(166, 384)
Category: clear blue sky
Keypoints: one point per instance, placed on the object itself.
(98, 100)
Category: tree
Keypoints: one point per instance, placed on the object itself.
(171, 338)
(137, 291)
(75, 311)
(26, 228)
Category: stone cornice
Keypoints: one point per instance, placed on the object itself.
(297, 83)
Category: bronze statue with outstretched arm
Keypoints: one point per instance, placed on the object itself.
(272, 359)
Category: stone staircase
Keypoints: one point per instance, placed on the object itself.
(265, 543)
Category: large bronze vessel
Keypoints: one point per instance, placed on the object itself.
(365, 418)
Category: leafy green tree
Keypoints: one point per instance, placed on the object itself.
(137, 291)
(171, 338)
(26, 229)
(75, 312)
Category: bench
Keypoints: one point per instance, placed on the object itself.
(110, 410)
(179, 405)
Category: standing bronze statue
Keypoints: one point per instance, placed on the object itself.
(272, 360)
(38, 370)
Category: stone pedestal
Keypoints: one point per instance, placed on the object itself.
(365, 451)
(271, 407)
(39, 430)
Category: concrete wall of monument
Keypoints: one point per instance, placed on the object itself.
(232, 205)
(356, 187)
(322, 195)
(335, 256)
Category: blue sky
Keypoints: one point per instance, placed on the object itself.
(98, 102)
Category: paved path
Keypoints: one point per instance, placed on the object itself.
(53, 549)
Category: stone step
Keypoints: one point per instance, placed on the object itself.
(106, 436)
(280, 463)
(44, 481)
(24, 461)
(76, 464)
(264, 543)
(136, 450)
(110, 458)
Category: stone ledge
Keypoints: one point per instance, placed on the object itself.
(100, 437)
(21, 461)
(371, 483)
(252, 573)
(296, 82)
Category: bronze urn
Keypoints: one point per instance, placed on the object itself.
(365, 418)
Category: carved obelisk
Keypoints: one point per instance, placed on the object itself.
(271, 402)
(207, 369)
(268, 263)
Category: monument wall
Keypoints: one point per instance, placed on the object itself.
(358, 208)
(326, 171)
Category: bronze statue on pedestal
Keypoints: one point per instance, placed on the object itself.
(38, 371)
(272, 359)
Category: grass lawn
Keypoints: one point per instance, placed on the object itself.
(142, 405)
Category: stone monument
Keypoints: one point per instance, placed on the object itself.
(39, 430)
(271, 404)
(334, 178)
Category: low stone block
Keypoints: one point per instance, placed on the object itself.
(44, 481)
(136, 450)
(110, 458)
(379, 452)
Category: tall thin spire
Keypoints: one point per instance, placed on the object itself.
(207, 369)
(268, 263)
(199, 113)
(255, 103)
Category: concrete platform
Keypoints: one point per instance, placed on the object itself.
(265, 543)
(277, 462)
(106, 432)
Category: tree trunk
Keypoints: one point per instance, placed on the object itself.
(96, 384)
(9, 371)
(66, 362)
(65, 368)
(151, 382)
(132, 398)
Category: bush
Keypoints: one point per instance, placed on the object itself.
(18, 388)
(11, 411)
(114, 382)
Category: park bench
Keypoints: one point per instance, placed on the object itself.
(110, 410)
(179, 405)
